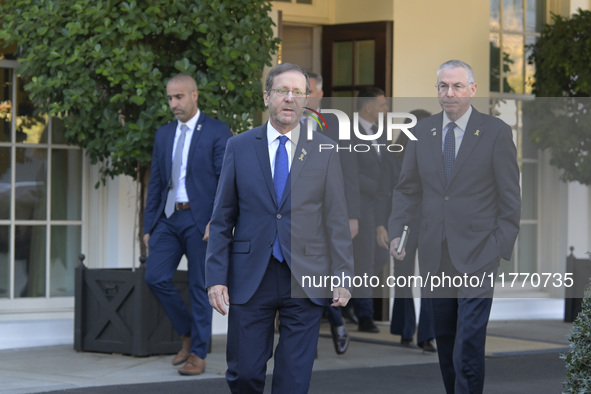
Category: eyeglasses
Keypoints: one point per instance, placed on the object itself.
(456, 87)
(284, 91)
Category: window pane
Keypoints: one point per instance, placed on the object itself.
(530, 69)
(513, 62)
(342, 63)
(528, 149)
(513, 15)
(495, 15)
(4, 262)
(57, 130)
(66, 183)
(343, 93)
(65, 249)
(531, 16)
(5, 186)
(495, 62)
(365, 59)
(528, 248)
(31, 184)
(529, 191)
(30, 128)
(5, 105)
(29, 261)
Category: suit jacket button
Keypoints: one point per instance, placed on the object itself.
(446, 198)
(278, 216)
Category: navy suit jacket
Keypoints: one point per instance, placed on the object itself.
(204, 163)
(481, 204)
(311, 219)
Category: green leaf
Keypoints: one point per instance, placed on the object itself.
(106, 64)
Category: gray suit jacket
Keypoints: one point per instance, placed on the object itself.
(481, 204)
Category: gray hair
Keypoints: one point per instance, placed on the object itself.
(457, 64)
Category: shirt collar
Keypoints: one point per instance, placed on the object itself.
(292, 135)
(366, 124)
(462, 122)
(193, 121)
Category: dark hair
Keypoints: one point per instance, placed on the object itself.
(366, 95)
(280, 69)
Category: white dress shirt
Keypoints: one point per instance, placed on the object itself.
(181, 193)
(273, 141)
(461, 124)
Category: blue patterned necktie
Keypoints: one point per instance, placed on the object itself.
(449, 151)
(280, 180)
(177, 160)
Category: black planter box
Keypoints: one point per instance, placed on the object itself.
(115, 312)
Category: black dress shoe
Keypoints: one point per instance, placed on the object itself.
(405, 341)
(349, 315)
(340, 338)
(366, 324)
(428, 346)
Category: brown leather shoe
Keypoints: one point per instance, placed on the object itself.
(194, 366)
(183, 354)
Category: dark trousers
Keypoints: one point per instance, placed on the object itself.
(333, 314)
(172, 237)
(404, 319)
(251, 331)
(460, 318)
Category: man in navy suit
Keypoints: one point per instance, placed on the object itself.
(279, 215)
(178, 210)
(463, 171)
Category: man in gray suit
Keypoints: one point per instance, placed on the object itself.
(463, 171)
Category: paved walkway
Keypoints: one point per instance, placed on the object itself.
(510, 344)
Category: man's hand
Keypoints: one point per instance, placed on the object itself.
(218, 298)
(354, 227)
(382, 237)
(340, 296)
(394, 246)
(206, 235)
(146, 239)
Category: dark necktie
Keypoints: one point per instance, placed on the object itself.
(449, 151)
(280, 175)
(177, 160)
(449, 157)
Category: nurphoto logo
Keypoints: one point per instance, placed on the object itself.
(344, 130)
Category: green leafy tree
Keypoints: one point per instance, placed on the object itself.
(562, 56)
(102, 66)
